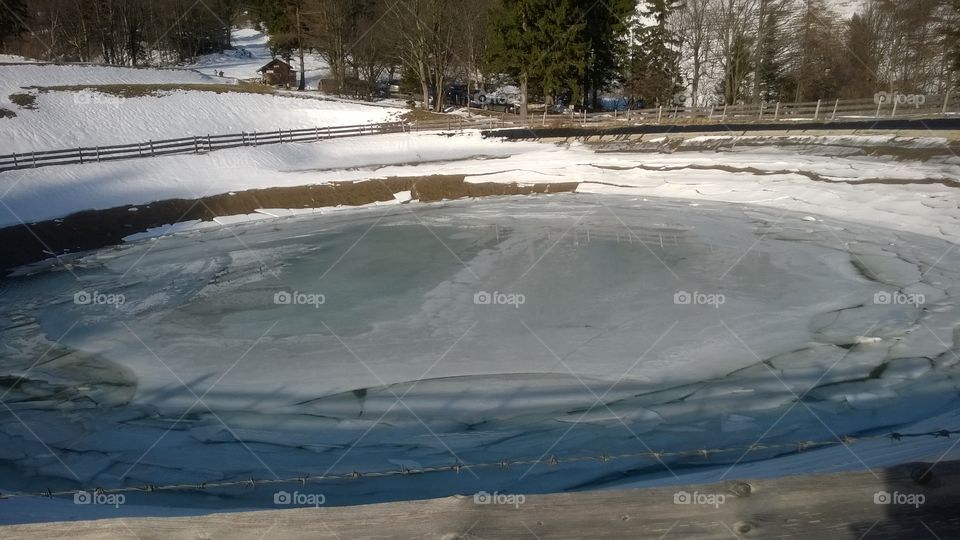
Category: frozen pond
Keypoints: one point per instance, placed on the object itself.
(474, 332)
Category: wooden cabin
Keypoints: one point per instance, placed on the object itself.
(278, 73)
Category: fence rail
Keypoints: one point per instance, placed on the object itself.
(209, 143)
(817, 111)
(890, 106)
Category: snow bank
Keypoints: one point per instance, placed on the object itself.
(15, 78)
(780, 178)
(71, 119)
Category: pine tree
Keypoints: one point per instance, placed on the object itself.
(770, 69)
(541, 41)
(605, 34)
(12, 15)
(655, 57)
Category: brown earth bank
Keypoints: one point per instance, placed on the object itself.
(92, 229)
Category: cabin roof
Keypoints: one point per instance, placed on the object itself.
(274, 63)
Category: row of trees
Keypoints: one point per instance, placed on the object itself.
(800, 50)
(121, 32)
(652, 51)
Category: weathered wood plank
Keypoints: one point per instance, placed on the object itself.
(822, 507)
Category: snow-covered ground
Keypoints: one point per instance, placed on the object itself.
(71, 119)
(250, 53)
(779, 178)
(68, 119)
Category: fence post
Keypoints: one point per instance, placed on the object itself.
(254, 137)
(760, 116)
(816, 112)
(33, 156)
(80, 153)
(209, 144)
(879, 104)
(316, 133)
(243, 138)
(835, 104)
(776, 112)
(98, 153)
(893, 113)
(15, 164)
(328, 132)
(196, 146)
(946, 98)
(659, 113)
(152, 154)
(724, 116)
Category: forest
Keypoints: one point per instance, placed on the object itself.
(652, 52)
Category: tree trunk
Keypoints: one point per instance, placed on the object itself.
(523, 98)
(303, 79)
(426, 94)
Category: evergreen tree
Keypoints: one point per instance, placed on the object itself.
(605, 35)
(655, 57)
(770, 70)
(539, 40)
(12, 15)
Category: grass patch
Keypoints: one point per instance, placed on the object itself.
(157, 90)
(24, 101)
(421, 115)
(7, 113)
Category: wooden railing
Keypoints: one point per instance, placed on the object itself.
(818, 111)
(209, 143)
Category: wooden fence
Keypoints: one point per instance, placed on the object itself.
(880, 107)
(209, 143)
(818, 111)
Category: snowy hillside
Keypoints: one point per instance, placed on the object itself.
(86, 118)
(72, 117)
(249, 54)
(758, 175)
